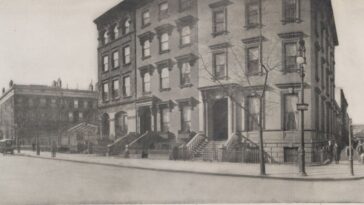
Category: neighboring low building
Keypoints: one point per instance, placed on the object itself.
(46, 112)
(79, 137)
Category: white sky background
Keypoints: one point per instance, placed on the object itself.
(41, 40)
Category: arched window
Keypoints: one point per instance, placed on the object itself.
(146, 83)
(116, 31)
(126, 26)
(165, 78)
(106, 37)
(186, 35)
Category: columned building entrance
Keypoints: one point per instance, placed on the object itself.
(219, 113)
(219, 117)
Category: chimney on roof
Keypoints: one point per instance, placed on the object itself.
(91, 87)
(3, 90)
(11, 83)
(54, 83)
(59, 81)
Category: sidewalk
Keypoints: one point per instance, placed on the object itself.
(274, 171)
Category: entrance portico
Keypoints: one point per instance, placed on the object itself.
(219, 107)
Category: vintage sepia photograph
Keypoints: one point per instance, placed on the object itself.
(181, 101)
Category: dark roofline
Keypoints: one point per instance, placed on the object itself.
(123, 5)
(336, 39)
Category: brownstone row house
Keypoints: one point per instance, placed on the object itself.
(30, 112)
(178, 67)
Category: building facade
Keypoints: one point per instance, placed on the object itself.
(30, 112)
(197, 67)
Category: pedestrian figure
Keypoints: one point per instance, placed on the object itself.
(33, 146)
(126, 152)
(336, 154)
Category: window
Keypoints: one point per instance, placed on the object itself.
(165, 119)
(53, 103)
(290, 10)
(116, 31)
(185, 4)
(164, 42)
(43, 102)
(85, 104)
(105, 63)
(186, 73)
(219, 21)
(146, 18)
(163, 10)
(126, 26)
(31, 102)
(146, 48)
(186, 35)
(126, 87)
(290, 56)
(252, 14)
(253, 115)
(80, 116)
(253, 60)
(186, 119)
(165, 78)
(70, 116)
(146, 83)
(106, 37)
(115, 89)
(105, 92)
(127, 55)
(219, 65)
(290, 112)
(115, 59)
(75, 104)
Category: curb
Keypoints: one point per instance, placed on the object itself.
(200, 172)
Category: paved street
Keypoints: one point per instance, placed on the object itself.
(40, 181)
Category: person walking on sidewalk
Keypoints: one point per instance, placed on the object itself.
(336, 154)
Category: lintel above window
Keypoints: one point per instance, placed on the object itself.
(187, 58)
(289, 35)
(256, 39)
(147, 68)
(185, 21)
(164, 28)
(221, 3)
(146, 36)
(220, 46)
(165, 63)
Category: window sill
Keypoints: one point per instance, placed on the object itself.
(146, 57)
(215, 34)
(163, 16)
(127, 64)
(165, 89)
(116, 68)
(128, 97)
(146, 25)
(289, 21)
(189, 85)
(163, 52)
(185, 45)
(252, 26)
(220, 78)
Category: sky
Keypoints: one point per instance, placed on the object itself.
(42, 40)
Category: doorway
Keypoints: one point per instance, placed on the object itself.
(145, 120)
(220, 119)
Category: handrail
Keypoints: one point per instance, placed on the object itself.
(231, 140)
(137, 139)
(119, 139)
(195, 141)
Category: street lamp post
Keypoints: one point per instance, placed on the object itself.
(351, 150)
(302, 106)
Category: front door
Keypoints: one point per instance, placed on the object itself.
(145, 120)
(220, 119)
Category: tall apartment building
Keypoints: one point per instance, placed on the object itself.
(32, 112)
(189, 66)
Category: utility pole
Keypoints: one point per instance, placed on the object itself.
(351, 150)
